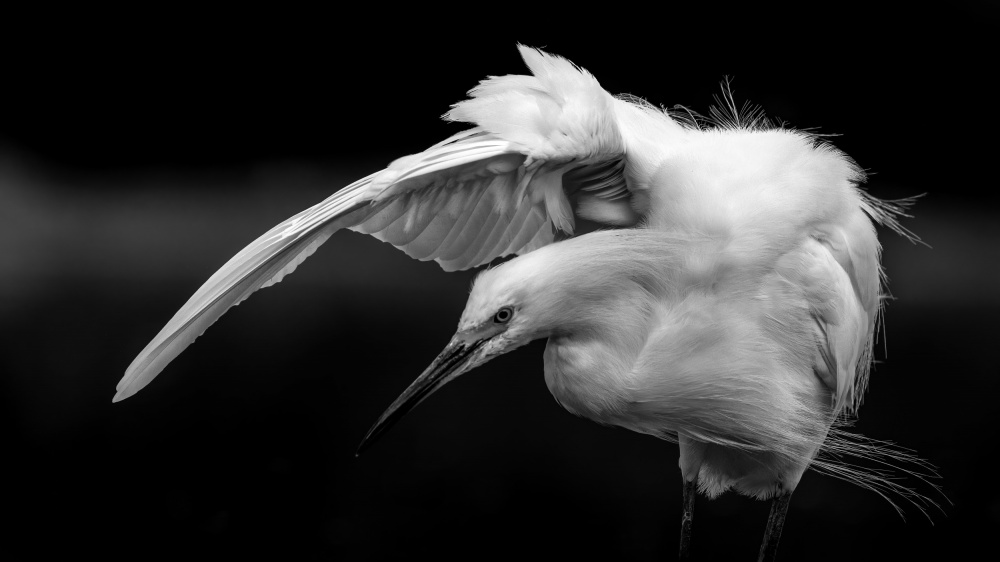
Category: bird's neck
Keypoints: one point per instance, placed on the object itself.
(589, 271)
(588, 358)
(606, 285)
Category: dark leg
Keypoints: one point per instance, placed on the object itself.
(690, 491)
(775, 522)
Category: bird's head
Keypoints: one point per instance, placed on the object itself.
(507, 308)
(566, 287)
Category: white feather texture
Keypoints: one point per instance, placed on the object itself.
(735, 314)
(490, 191)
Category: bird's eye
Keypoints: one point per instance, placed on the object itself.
(503, 315)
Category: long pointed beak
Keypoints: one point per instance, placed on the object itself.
(458, 357)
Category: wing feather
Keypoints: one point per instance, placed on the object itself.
(495, 189)
(532, 224)
(475, 193)
(479, 251)
(262, 263)
(443, 222)
(543, 237)
(436, 228)
(475, 219)
(842, 325)
(405, 228)
(477, 242)
(490, 247)
(516, 223)
(383, 218)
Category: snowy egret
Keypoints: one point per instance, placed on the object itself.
(732, 311)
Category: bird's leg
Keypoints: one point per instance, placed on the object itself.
(775, 522)
(687, 516)
(692, 454)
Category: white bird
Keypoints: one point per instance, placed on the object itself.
(733, 312)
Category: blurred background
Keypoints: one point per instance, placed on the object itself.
(140, 150)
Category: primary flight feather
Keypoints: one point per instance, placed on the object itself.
(732, 311)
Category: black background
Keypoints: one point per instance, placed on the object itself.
(139, 151)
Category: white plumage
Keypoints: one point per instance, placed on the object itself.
(735, 313)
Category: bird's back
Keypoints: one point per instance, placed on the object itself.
(758, 335)
(757, 201)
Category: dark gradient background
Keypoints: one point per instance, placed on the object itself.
(139, 151)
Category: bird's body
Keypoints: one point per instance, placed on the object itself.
(663, 346)
(733, 313)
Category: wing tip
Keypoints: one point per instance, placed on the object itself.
(131, 383)
(122, 392)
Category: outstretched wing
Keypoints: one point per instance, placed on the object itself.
(477, 196)
(546, 148)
